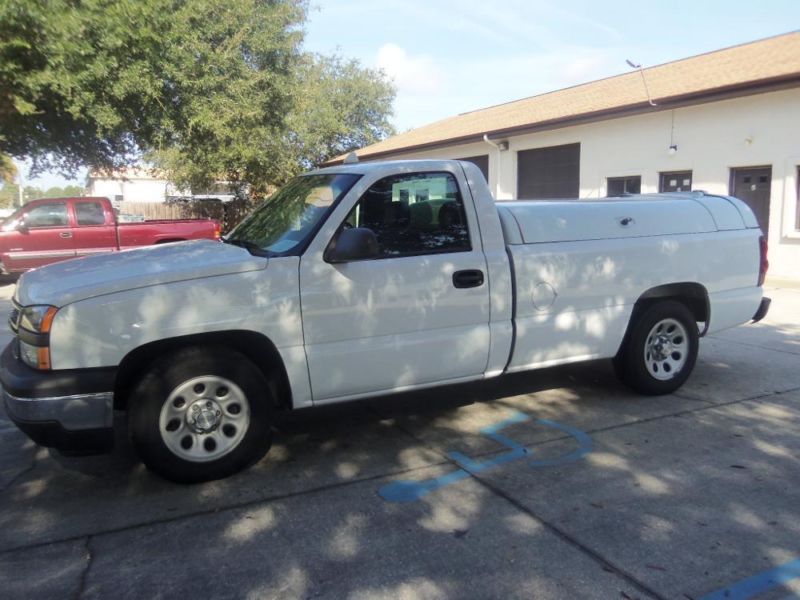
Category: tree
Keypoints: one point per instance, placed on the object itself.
(343, 107)
(68, 191)
(204, 89)
(9, 195)
(8, 170)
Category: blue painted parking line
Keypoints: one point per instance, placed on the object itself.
(584, 445)
(758, 584)
(517, 450)
(409, 491)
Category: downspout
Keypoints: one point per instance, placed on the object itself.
(499, 161)
(491, 142)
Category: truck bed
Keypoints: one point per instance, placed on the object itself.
(532, 222)
(580, 267)
(162, 222)
(160, 231)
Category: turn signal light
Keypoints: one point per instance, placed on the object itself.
(44, 358)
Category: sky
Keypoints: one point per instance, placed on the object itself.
(446, 57)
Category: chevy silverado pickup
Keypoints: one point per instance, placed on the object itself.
(54, 229)
(361, 280)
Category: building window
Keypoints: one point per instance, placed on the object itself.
(620, 186)
(676, 181)
(482, 162)
(549, 172)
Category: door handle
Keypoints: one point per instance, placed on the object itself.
(468, 278)
(65, 234)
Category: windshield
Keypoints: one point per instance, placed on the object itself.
(291, 215)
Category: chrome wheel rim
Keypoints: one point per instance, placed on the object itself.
(666, 349)
(204, 418)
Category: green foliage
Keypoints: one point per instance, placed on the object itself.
(68, 191)
(8, 170)
(204, 89)
(342, 107)
(9, 193)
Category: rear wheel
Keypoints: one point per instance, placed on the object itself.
(201, 414)
(660, 350)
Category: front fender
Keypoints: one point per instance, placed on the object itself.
(101, 331)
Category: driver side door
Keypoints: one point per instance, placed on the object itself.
(416, 314)
(45, 237)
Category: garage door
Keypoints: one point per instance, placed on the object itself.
(552, 172)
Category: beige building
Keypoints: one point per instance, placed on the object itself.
(726, 122)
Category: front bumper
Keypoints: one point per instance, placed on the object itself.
(70, 410)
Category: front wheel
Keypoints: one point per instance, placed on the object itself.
(660, 350)
(201, 414)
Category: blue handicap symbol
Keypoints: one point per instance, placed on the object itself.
(409, 490)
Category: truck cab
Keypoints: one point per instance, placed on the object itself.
(49, 230)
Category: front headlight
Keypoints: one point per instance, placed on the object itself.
(37, 357)
(37, 319)
(34, 335)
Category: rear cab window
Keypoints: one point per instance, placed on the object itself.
(89, 213)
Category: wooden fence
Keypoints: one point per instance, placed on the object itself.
(227, 213)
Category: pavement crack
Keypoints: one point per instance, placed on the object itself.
(604, 563)
(561, 534)
(220, 509)
(750, 345)
(85, 575)
(683, 396)
(690, 411)
(446, 460)
(708, 405)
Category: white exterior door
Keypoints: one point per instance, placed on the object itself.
(417, 314)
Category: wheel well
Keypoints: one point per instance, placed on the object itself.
(693, 295)
(257, 347)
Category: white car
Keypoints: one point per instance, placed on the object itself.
(361, 280)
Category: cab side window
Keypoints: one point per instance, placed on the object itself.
(416, 213)
(52, 214)
(89, 213)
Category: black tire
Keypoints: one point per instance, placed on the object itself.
(175, 369)
(631, 365)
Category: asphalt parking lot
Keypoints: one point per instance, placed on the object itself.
(554, 484)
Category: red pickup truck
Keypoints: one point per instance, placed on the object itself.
(53, 229)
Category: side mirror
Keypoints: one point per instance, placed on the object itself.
(22, 227)
(358, 243)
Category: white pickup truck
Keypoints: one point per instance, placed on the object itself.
(361, 280)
